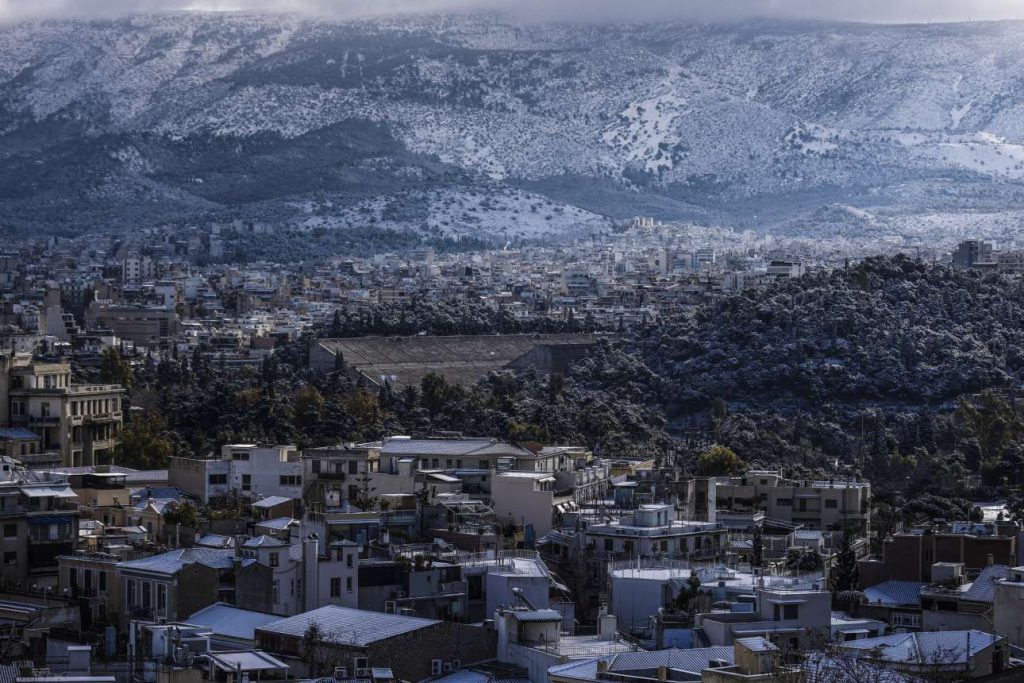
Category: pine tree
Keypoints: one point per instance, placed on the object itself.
(844, 577)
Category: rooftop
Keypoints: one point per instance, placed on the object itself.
(231, 622)
(347, 626)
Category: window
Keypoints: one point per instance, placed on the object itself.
(247, 482)
(10, 530)
(784, 502)
(348, 560)
(11, 557)
(458, 464)
(787, 612)
(130, 586)
(289, 480)
(239, 455)
(161, 596)
(44, 409)
(353, 467)
(831, 503)
(18, 407)
(218, 479)
(274, 594)
(609, 545)
(274, 559)
(147, 595)
(336, 587)
(103, 582)
(348, 584)
(314, 466)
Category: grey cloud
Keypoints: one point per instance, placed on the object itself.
(586, 10)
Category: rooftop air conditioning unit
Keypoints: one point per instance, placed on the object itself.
(390, 607)
(435, 667)
(447, 667)
(340, 673)
(362, 673)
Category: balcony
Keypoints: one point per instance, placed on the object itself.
(44, 554)
(89, 389)
(330, 476)
(114, 416)
(44, 421)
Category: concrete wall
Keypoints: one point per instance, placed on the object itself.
(633, 601)
(514, 496)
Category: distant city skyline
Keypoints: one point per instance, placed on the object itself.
(894, 11)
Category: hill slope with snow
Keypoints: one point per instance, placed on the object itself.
(766, 125)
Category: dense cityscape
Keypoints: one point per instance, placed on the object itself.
(137, 545)
(479, 341)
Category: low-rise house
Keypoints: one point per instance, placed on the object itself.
(177, 583)
(898, 603)
(955, 655)
(413, 648)
(955, 602)
(231, 627)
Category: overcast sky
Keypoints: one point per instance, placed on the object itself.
(594, 10)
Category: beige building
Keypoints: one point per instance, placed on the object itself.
(142, 325)
(527, 498)
(827, 505)
(80, 421)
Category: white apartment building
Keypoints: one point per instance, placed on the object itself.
(249, 470)
(529, 498)
(652, 530)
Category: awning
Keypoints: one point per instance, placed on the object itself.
(49, 492)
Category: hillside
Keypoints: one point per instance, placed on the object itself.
(190, 115)
(888, 330)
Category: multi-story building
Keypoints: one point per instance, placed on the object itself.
(39, 521)
(528, 498)
(653, 531)
(827, 505)
(92, 577)
(142, 325)
(248, 470)
(82, 422)
(912, 555)
(175, 584)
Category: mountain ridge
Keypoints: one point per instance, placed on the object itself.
(716, 123)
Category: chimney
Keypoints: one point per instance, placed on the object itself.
(990, 559)
(602, 666)
(662, 673)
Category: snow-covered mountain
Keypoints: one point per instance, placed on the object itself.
(782, 126)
